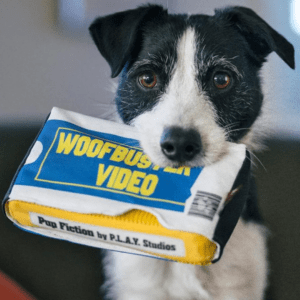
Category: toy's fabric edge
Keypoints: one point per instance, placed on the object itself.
(6, 197)
(234, 207)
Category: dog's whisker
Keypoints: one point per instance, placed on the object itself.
(228, 126)
(251, 160)
(239, 129)
(260, 162)
(108, 114)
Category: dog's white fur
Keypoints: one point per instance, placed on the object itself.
(184, 105)
(241, 274)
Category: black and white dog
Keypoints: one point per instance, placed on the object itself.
(190, 84)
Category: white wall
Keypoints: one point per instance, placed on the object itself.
(39, 68)
(42, 65)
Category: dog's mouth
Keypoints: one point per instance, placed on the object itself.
(176, 148)
(179, 147)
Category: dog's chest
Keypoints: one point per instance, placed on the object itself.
(241, 272)
(244, 258)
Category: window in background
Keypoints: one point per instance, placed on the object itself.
(295, 15)
(71, 14)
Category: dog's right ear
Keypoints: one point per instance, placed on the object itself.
(261, 37)
(119, 35)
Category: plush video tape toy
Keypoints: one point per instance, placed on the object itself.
(87, 181)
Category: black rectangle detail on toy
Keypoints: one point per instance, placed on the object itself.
(205, 205)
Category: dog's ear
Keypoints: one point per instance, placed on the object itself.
(261, 37)
(118, 36)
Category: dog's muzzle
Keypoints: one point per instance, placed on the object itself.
(179, 144)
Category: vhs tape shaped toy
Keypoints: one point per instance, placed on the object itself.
(87, 181)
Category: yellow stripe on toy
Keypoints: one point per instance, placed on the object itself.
(198, 249)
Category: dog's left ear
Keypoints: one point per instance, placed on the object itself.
(119, 36)
(261, 37)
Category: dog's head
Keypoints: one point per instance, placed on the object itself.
(190, 84)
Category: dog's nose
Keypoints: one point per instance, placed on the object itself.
(180, 144)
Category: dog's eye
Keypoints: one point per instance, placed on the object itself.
(148, 80)
(221, 80)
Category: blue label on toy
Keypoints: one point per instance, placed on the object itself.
(82, 161)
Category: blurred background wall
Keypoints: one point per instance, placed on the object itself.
(47, 59)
